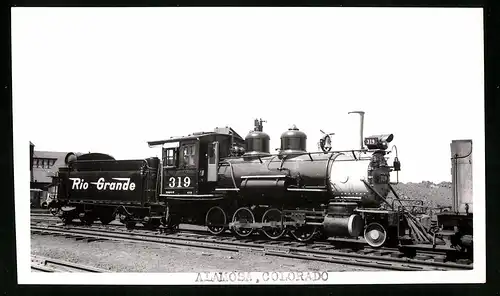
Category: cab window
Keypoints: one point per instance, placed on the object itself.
(169, 157)
(188, 155)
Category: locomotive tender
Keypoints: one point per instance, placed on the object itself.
(225, 182)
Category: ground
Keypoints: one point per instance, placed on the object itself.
(433, 195)
(138, 257)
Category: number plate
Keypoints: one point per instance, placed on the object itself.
(179, 182)
(371, 141)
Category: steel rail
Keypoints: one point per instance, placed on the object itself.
(292, 250)
(54, 265)
(206, 233)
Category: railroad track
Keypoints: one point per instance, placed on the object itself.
(41, 214)
(439, 254)
(38, 210)
(43, 264)
(383, 259)
(409, 250)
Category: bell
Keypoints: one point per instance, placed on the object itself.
(396, 164)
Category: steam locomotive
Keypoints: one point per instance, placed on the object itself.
(224, 182)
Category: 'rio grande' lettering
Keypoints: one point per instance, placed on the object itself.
(101, 184)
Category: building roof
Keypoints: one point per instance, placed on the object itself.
(43, 175)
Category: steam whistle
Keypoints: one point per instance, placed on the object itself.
(258, 125)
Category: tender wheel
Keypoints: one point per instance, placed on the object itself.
(88, 219)
(168, 220)
(130, 224)
(243, 215)
(304, 233)
(66, 219)
(375, 235)
(274, 217)
(215, 220)
(152, 224)
(55, 211)
(174, 227)
(106, 219)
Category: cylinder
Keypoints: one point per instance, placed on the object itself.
(351, 226)
(341, 208)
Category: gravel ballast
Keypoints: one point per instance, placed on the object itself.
(141, 257)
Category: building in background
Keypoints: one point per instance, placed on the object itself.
(44, 166)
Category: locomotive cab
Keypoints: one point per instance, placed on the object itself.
(190, 164)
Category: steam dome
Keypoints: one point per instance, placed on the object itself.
(293, 141)
(257, 141)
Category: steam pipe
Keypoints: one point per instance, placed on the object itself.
(454, 206)
(362, 115)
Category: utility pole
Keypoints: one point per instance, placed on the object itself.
(32, 151)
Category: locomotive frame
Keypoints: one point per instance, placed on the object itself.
(224, 182)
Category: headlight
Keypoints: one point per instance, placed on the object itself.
(379, 141)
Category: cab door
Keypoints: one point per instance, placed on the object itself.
(213, 161)
(180, 172)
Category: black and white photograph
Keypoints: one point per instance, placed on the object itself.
(248, 145)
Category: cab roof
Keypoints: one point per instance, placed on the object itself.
(226, 131)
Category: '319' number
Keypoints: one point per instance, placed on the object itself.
(179, 182)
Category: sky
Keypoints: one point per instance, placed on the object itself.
(110, 79)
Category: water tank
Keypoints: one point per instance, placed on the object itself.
(293, 141)
(257, 141)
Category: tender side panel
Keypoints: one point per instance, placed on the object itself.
(110, 181)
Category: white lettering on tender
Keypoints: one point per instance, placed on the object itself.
(101, 184)
(79, 184)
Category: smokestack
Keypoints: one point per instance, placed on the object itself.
(361, 123)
